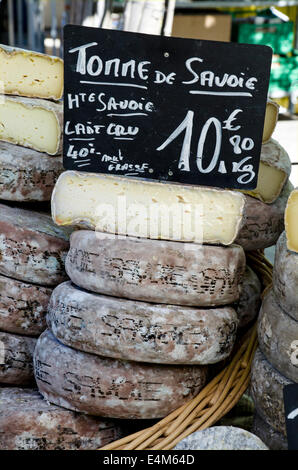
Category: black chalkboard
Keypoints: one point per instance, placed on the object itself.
(291, 414)
(167, 109)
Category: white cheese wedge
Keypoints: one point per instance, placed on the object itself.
(147, 209)
(32, 123)
(28, 73)
(271, 117)
(291, 221)
(274, 171)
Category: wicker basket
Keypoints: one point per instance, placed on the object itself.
(218, 397)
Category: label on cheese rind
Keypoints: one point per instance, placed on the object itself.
(139, 331)
(111, 388)
(278, 337)
(147, 209)
(274, 171)
(249, 302)
(33, 123)
(28, 422)
(291, 221)
(16, 359)
(31, 74)
(27, 175)
(267, 392)
(23, 307)
(271, 117)
(263, 223)
(32, 247)
(155, 270)
(285, 277)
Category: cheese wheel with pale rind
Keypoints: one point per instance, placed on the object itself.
(249, 302)
(111, 388)
(267, 391)
(23, 307)
(28, 422)
(285, 277)
(140, 331)
(32, 248)
(16, 359)
(155, 270)
(27, 175)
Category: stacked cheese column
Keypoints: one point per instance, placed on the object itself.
(276, 362)
(32, 252)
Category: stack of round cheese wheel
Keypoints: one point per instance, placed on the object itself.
(276, 363)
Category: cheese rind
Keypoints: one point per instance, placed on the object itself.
(23, 307)
(285, 277)
(32, 248)
(263, 223)
(147, 209)
(155, 270)
(274, 171)
(249, 302)
(16, 359)
(111, 388)
(33, 123)
(27, 175)
(271, 116)
(28, 422)
(139, 331)
(291, 221)
(31, 74)
(272, 438)
(278, 337)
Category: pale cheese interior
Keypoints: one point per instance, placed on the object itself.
(270, 183)
(194, 213)
(270, 121)
(30, 75)
(291, 221)
(33, 127)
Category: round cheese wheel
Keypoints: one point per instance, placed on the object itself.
(267, 391)
(16, 359)
(32, 248)
(263, 223)
(285, 277)
(27, 175)
(108, 387)
(249, 302)
(278, 337)
(272, 438)
(23, 307)
(28, 422)
(140, 331)
(155, 270)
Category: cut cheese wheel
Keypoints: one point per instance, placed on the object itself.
(272, 438)
(29, 73)
(278, 337)
(16, 359)
(267, 391)
(28, 422)
(271, 117)
(274, 171)
(125, 206)
(27, 175)
(291, 221)
(32, 248)
(23, 307)
(139, 331)
(155, 270)
(250, 298)
(263, 223)
(285, 277)
(107, 387)
(32, 123)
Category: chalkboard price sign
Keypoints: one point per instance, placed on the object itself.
(290, 393)
(167, 109)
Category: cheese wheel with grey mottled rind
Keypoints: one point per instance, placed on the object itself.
(155, 270)
(272, 438)
(140, 331)
(111, 388)
(16, 359)
(249, 302)
(28, 422)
